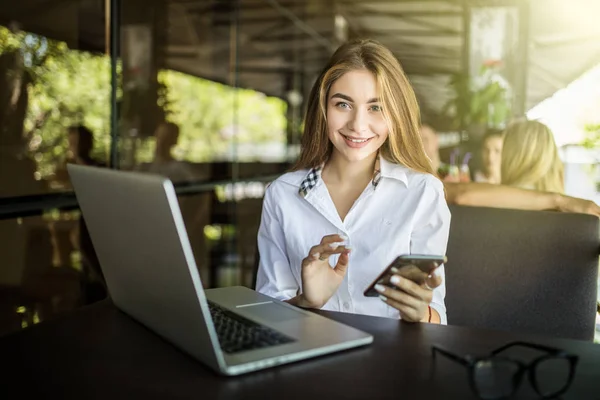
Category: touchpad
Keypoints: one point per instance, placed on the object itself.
(271, 312)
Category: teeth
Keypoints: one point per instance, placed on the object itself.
(356, 140)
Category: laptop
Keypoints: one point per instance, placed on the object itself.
(141, 241)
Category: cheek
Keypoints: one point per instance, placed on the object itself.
(380, 128)
(335, 121)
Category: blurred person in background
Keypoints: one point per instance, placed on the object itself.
(80, 145)
(491, 157)
(530, 158)
(531, 149)
(164, 162)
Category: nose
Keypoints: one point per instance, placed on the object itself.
(359, 121)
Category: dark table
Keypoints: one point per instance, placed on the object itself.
(100, 353)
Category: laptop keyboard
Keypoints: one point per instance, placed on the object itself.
(237, 333)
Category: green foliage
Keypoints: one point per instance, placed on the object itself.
(485, 104)
(213, 116)
(71, 87)
(592, 139)
(67, 87)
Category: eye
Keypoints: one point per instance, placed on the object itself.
(342, 104)
(376, 108)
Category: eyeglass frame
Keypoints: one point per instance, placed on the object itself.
(529, 368)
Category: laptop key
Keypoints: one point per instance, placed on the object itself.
(237, 333)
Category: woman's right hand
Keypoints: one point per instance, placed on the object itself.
(319, 280)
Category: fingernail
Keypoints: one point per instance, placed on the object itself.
(316, 255)
(437, 272)
(344, 237)
(335, 245)
(380, 288)
(383, 298)
(394, 270)
(348, 247)
(395, 279)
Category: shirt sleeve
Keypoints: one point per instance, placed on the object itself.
(430, 236)
(274, 277)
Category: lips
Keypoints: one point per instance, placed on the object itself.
(356, 142)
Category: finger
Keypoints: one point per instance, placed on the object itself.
(411, 288)
(432, 266)
(311, 258)
(399, 296)
(433, 281)
(329, 242)
(408, 314)
(323, 252)
(342, 265)
(326, 250)
(333, 238)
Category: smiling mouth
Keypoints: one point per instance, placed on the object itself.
(356, 140)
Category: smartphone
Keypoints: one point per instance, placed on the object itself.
(415, 267)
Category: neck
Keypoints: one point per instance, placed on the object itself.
(339, 170)
(435, 163)
(492, 177)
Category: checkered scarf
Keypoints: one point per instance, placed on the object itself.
(310, 181)
(314, 175)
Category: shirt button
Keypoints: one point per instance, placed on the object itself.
(346, 305)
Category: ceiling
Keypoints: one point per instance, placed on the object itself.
(282, 44)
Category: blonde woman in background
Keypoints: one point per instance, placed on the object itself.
(530, 158)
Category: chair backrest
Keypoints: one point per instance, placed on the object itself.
(523, 271)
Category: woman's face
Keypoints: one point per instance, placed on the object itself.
(355, 121)
(492, 155)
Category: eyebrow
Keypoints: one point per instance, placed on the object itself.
(348, 98)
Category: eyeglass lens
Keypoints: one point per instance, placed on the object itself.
(552, 375)
(495, 378)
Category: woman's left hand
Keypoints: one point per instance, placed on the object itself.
(408, 297)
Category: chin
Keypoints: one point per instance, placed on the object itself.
(352, 155)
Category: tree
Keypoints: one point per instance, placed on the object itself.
(206, 113)
(48, 87)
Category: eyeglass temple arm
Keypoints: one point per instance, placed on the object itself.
(453, 357)
(528, 345)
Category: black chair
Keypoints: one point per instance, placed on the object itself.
(523, 271)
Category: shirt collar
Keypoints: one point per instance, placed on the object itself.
(392, 170)
(383, 169)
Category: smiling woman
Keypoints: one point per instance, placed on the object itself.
(355, 124)
(361, 193)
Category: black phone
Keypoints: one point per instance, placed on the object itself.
(415, 267)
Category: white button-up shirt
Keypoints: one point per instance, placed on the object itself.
(400, 212)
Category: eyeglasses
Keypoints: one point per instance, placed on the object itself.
(495, 377)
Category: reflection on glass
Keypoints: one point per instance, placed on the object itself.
(48, 88)
(42, 273)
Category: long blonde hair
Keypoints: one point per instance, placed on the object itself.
(530, 158)
(400, 107)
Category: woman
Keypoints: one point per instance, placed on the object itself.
(530, 158)
(491, 157)
(361, 193)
